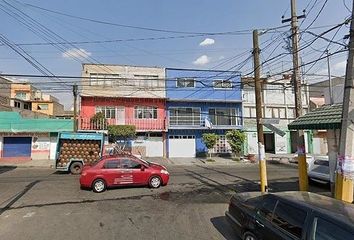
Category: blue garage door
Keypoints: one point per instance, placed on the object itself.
(17, 146)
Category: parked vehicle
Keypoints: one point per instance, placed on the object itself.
(122, 170)
(318, 170)
(290, 215)
(74, 150)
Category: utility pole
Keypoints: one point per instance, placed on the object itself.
(329, 79)
(301, 150)
(257, 87)
(345, 171)
(75, 106)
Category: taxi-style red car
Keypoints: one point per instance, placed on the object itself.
(114, 171)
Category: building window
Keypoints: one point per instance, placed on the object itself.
(185, 83)
(253, 112)
(100, 79)
(109, 112)
(21, 95)
(222, 84)
(247, 112)
(17, 104)
(224, 116)
(42, 107)
(27, 106)
(185, 116)
(145, 112)
(291, 112)
(147, 81)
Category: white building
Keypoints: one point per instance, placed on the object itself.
(279, 110)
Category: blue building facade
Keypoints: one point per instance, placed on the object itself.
(201, 101)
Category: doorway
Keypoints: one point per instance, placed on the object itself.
(269, 142)
(293, 141)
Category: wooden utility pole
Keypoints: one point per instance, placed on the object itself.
(301, 150)
(345, 171)
(75, 107)
(258, 93)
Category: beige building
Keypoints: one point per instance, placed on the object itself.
(278, 111)
(123, 81)
(27, 98)
(5, 94)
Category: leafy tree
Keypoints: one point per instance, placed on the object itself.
(210, 140)
(122, 134)
(236, 138)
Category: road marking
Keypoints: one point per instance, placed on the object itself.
(28, 215)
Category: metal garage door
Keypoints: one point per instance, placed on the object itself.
(181, 146)
(154, 147)
(17, 146)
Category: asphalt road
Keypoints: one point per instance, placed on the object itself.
(42, 204)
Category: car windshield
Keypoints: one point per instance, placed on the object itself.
(321, 162)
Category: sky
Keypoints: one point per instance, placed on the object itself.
(166, 34)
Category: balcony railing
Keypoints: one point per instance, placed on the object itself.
(140, 124)
(198, 122)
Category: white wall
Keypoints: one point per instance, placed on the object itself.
(338, 92)
(252, 147)
(281, 144)
(128, 76)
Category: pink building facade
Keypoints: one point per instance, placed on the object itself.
(147, 115)
(126, 95)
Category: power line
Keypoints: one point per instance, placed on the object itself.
(318, 14)
(131, 26)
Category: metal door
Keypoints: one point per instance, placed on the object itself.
(17, 146)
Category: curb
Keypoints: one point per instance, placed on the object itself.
(25, 166)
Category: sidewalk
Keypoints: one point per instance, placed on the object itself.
(38, 163)
(194, 161)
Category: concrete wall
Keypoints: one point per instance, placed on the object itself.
(204, 85)
(54, 108)
(23, 87)
(150, 81)
(41, 147)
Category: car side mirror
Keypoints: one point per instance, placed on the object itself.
(142, 168)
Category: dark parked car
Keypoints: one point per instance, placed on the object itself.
(290, 215)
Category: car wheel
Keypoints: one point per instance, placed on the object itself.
(155, 182)
(99, 185)
(76, 168)
(249, 236)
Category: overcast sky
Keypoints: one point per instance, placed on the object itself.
(180, 46)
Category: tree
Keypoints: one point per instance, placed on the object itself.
(121, 133)
(210, 140)
(98, 121)
(236, 138)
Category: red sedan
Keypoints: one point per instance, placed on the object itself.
(121, 171)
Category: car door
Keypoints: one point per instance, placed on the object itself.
(126, 171)
(263, 227)
(288, 221)
(326, 229)
(112, 172)
(140, 175)
(141, 172)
